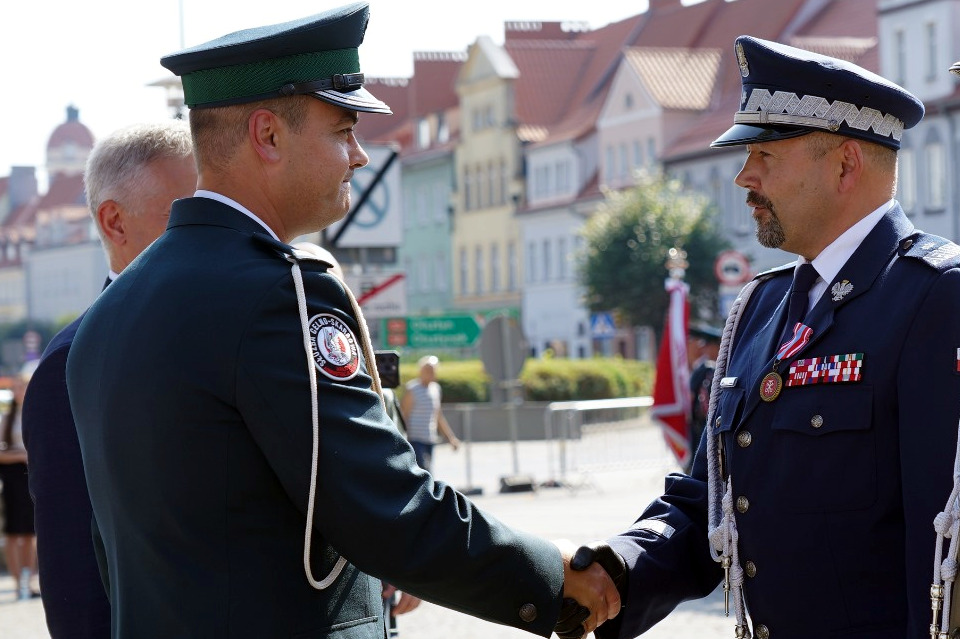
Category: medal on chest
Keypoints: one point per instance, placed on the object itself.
(772, 382)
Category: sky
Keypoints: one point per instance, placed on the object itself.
(101, 55)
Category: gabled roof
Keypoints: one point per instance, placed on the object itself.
(841, 28)
(676, 78)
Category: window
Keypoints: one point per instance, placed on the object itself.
(563, 258)
(408, 267)
(563, 177)
(480, 191)
(409, 210)
(609, 165)
(936, 176)
(512, 266)
(423, 276)
(423, 133)
(907, 173)
(532, 262)
(443, 129)
(494, 268)
(932, 69)
(467, 188)
(900, 57)
(637, 154)
(423, 206)
(492, 183)
(441, 200)
(547, 257)
(624, 160)
(478, 271)
(504, 181)
(463, 271)
(651, 151)
(440, 272)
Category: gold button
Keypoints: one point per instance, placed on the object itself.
(528, 612)
(751, 569)
(763, 632)
(816, 421)
(743, 504)
(744, 438)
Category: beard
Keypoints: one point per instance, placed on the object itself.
(769, 231)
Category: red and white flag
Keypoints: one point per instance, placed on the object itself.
(671, 386)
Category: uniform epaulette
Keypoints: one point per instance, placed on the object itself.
(776, 270)
(302, 252)
(935, 251)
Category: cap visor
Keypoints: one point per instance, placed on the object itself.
(740, 134)
(359, 100)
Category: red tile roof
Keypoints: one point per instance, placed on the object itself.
(677, 78)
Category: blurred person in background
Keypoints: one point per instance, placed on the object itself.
(20, 539)
(131, 179)
(422, 415)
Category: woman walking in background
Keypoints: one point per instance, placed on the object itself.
(20, 539)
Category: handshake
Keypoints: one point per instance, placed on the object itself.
(594, 575)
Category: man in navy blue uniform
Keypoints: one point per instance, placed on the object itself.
(242, 468)
(131, 179)
(830, 443)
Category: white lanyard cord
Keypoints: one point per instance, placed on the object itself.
(947, 526)
(721, 522)
(315, 413)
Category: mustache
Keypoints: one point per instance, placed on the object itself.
(755, 199)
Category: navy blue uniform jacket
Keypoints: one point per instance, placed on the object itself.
(189, 384)
(841, 481)
(74, 600)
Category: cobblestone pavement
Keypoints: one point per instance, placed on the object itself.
(607, 480)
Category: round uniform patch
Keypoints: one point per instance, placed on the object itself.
(335, 350)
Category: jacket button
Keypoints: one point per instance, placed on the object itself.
(763, 632)
(743, 504)
(528, 612)
(816, 421)
(750, 568)
(744, 438)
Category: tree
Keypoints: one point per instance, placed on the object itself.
(626, 243)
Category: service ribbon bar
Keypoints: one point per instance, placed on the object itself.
(826, 370)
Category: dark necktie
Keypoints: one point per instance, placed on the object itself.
(803, 279)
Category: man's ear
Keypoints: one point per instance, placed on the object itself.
(851, 164)
(263, 130)
(111, 222)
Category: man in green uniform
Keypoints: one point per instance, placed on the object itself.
(242, 469)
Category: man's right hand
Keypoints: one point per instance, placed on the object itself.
(575, 620)
(595, 596)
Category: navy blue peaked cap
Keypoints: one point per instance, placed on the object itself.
(789, 92)
(317, 55)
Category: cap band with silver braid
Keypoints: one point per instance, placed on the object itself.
(721, 522)
(315, 406)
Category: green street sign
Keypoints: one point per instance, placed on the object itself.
(437, 331)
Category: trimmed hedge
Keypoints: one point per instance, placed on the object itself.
(545, 380)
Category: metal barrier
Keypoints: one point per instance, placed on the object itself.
(586, 437)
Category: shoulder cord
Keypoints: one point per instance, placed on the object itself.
(315, 415)
(722, 525)
(947, 526)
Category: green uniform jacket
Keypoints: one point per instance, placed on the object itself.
(189, 383)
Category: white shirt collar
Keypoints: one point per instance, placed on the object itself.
(836, 254)
(223, 199)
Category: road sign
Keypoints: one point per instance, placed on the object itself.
(437, 331)
(602, 326)
(502, 348)
(731, 268)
